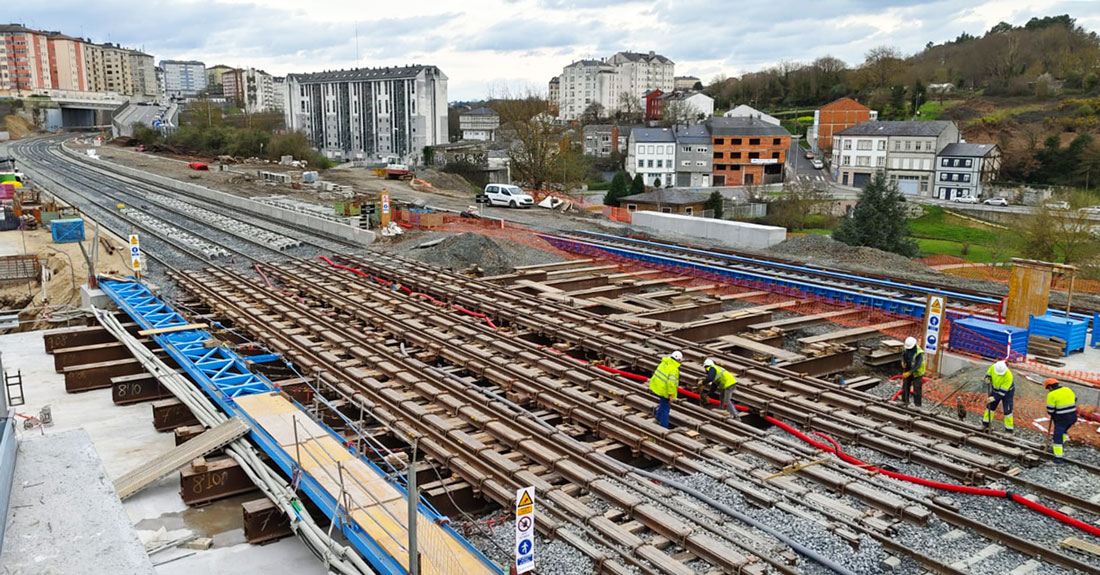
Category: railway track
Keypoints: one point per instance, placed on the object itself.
(502, 393)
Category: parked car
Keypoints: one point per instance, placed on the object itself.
(965, 200)
(1058, 205)
(817, 164)
(809, 155)
(996, 202)
(508, 195)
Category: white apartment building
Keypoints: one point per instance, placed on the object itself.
(608, 82)
(652, 153)
(370, 113)
(183, 78)
(480, 124)
(906, 151)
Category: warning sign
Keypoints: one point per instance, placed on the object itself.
(525, 530)
(933, 324)
(135, 253)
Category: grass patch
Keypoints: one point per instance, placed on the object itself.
(974, 253)
(939, 225)
(932, 110)
(821, 231)
(1006, 113)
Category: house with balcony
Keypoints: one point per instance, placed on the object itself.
(747, 151)
(965, 170)
(651, 152)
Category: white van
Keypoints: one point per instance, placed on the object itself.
(508, 195)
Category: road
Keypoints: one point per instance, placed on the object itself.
(802, 170)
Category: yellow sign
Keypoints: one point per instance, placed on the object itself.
(137, 264)
(527, 510)
(525, 500)
(936, 307)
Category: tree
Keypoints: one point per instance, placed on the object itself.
(677, 113)
(1037, 237)
(617, 190)
(535, 148)
(716, 204)
(883, 63)
(879, 219)
(792, 209)
(629, 109)
(594, 113)
(637, 186)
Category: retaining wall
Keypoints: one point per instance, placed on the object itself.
(290, 218)
(735, 234)
(8, 448)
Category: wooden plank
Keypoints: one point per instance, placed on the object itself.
(853, 334)
(1081, 545)
(172, 329)
(758, 348)
(804, 321)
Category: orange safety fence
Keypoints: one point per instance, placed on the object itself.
(957, 266)
(617, 214)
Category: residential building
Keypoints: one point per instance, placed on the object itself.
(693, 156)
(694, 106)
(183, 78)
(651, 152)
(908, 159)
(613, 82)
(370, 113)
(666, 201)
(214, 80)
(554, 95)
(832, 118)
(601, 140)
(964, 170)
(747, 151)
(481, 124)
(279, 94)
(252, 89)
(685, 83)
(651, 104)
(746, 111)
(67, 67)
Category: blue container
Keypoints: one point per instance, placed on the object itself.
(988, 338)
(1071, 331)
(67, 231)
(1096, 330)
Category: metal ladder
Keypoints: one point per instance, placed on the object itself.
(14, 383)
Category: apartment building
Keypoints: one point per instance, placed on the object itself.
(685, 83)
(965, 170)
(747, 151)
(832, 118)
(183, 78)
(651, 152)
(554, 94)
(612, 82)
(24, 60)
(906, 151)
(693, 156)
(370, 113)
(694, 106)
(481, 124)
(253, 90)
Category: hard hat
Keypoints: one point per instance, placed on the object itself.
(1050, 381)
(708, 362)
(1000, 368)
(910, 342)
(677, 356)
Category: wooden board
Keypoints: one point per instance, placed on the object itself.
(172, 329)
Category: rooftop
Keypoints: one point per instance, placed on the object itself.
(744, 126)
(653, 135)
(387, 73)
(187, 62)
(482, 111)
(670, 196)
(968, 150)
(639, 57)
(845, 102)
(893, 128)
(697, 134)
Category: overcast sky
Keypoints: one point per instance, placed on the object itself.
(492, 46)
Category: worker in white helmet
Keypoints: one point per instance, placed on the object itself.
(999, 379)
(720, 379)
(665, 382)
(912, 378)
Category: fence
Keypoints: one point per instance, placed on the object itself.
(957, 266)
(617, 214)
(18, 269)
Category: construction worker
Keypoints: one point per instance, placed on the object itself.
(999, 378)
(720, 379)
(1062, 407)
(912, 379)
(665, 382)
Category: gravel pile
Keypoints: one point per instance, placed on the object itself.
(551, 557)
(822, 249)
(458, 252)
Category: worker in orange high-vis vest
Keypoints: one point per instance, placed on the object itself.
(665, 382)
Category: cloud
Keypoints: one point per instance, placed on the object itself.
(481, 44)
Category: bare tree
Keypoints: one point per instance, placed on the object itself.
(793, 208)
(678, 112)
(594, 113)
(883, 63)
(537, 138)
(629, 109)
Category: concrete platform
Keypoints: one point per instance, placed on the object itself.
(124, 437)
(65, 516)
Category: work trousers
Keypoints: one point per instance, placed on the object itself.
(1004, 398)
(727, 401)
(912, 385)
(663, 409)
(1062, 423)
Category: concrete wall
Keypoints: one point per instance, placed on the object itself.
(8, 446)
(294, 219)
(734, 234)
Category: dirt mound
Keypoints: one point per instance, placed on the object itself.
(18, 126)
(460, 252)
(446, 182)
(824, 250)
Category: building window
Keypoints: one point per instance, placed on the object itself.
(846, 160)
(880, 161)
(666, 210)
(943, 177)
(660, 163)
(719, 141)
(700, 163)
(736, 141)
(966, 177)
(735, 155)
(685, 163)
(649, 163)
(754, 141)
(689, 211)
(641, 164)
(735, 168)
(882, 145)
(908, 145)
(863, 161)
(720, 167)
(719, 155)
(917, 145)
(668, 149)
(775, 155)
(945, 163)
(686, 149)
(847, 144)
(968, 163)
(897, 145)
(702, 149)
(632, 207)
(863, 145)
(754, 155)
(775, 142)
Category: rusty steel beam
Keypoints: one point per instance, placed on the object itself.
(712, 329)
(828, 364)
(98, 375)
(80, 336)
(69, 356)
(169, 414)
(217, 479)
(129, 389)
(684, 314)
(264, 522)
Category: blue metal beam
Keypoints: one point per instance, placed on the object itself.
(224, 375)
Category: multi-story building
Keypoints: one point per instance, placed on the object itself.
(906, 151)
(67, 66)
(370, 113)
(143, 74)
(685, 83)
(694, 106)
(279, 94)
(651, 152)
(214, 80)
(964, 170)
(601, 140)
(253, 90)
(834, 117)
(693, 156)
(554, 95)
(24, 60)
(183, 78)
(480, 124)
(747, 151)
(612, 82)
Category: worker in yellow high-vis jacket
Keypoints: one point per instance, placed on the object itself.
(1001, 391)
(1062, 407)
(665, 382)
(721, 380)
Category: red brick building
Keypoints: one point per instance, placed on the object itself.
(747, 151)
(653, 105)
(836, 116)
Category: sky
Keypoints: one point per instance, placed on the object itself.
(499, 47)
